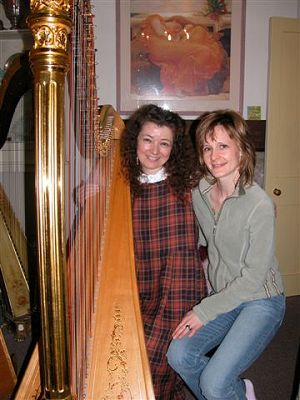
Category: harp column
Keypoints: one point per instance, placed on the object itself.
(50, 25)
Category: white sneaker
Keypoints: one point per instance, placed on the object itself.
(250, 395)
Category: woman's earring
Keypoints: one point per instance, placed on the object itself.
(137, 160)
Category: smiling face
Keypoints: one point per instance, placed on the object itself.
(221, 154)
(154, 145)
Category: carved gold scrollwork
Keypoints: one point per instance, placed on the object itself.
(109, 126)
(50, 36)
(51, 6)
(104, 130)
(117, 368)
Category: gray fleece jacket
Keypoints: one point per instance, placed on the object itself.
(241, 249)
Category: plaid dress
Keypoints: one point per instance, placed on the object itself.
(169, 273)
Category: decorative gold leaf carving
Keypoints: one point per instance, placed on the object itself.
(50, 36)
(103, 134)
(117, 368)
(50, 6)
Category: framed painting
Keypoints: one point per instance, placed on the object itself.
(186, 56)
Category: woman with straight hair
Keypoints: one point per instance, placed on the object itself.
(245, 308)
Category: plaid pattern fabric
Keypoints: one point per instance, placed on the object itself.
(170, 275)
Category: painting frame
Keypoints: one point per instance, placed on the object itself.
(187, 106)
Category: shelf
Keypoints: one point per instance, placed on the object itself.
(13, 34)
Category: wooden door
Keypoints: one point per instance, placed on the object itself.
(282, 180)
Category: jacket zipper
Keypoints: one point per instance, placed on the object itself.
(216, 219)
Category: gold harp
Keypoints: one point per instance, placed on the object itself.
(17, 234)
(14, 266)
(92, 342)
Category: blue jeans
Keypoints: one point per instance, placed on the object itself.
(241, 336)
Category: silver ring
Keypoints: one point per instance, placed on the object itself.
(188, 327)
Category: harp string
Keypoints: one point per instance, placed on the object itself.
(88, 176)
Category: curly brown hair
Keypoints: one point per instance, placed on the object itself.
(182, 167)
(238, 130)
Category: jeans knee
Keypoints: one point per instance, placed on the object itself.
(217, 386)
(176, 355)
(211, 386)
(205, 384)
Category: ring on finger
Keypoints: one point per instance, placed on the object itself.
(188, 327)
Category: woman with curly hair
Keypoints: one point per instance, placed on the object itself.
(160, 164)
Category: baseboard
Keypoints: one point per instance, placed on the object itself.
(292, 284)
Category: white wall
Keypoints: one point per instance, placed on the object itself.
(105, 43)
(258, 13)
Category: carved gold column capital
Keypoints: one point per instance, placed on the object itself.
(50, 33)
(50, 6)
(50, 24)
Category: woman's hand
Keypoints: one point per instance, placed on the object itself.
(189, 325)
